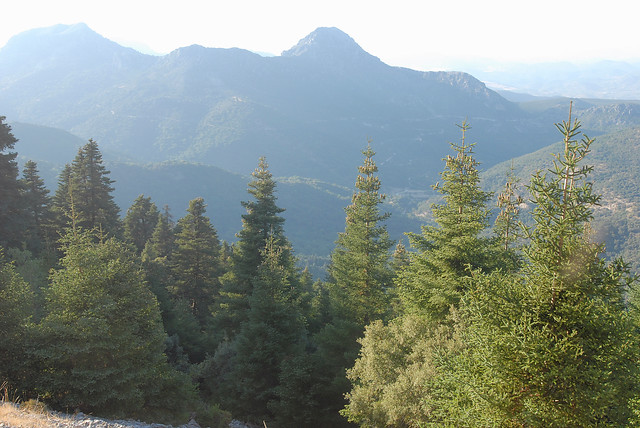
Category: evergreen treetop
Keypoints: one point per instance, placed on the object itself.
(434, 280)
(360, 271)
(9, 188)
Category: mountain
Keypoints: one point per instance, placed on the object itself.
(310, 110)
(601, 79)
(314, 209)
(615, 158)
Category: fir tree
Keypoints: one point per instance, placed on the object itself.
(359, 271)
(9, 189)
(140, 222)
(84, 189)
(101, 344)
(273, 333)
(162, 240)
(434, 280)
(554, 344)
(195, 261)
(261, 224)
(404, 375)
(61, 207)
(38, 217)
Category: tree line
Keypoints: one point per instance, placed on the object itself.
(476, 324)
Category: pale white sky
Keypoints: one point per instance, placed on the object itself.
(419, 34)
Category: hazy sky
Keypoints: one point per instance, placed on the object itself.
(419, 34)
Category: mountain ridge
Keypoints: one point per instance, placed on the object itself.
(226, 107)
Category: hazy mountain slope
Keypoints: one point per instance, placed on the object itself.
(314, 209)
(616, 161)
(310, 111)
(602, 79)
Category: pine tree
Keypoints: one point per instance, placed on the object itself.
(555, 344)
(162, 240)
(101, 344)
(405, 373)
(261, 224)
(195, 261)
(38, 217)
(506, 224)
(360, 274)
(434, 280)
(84, 192)
(61, 206)
(16, 310)
(9, 189)
(140, 222)
(273, 333)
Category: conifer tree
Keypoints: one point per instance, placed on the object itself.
(16, 309)
(555, 344)
(273, 333)
(403, 376)
(195, 261)
(162, 240)
(140, 222)
(9, 189)
(261, 224)
(101, 344)
(84, 187)
(61, 200)
(360, 274)
(434, 280)
(38, 217)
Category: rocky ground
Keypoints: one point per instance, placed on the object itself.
(11, 416)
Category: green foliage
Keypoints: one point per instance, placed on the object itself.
(162, 240)
(403, 377)
(83, 197)
(273, 333)
(16, 308)
(195, 263)
(37, 215)
(101, 344)
(555, 343)
(434, 280)
(9, 189)
(140, 222)
(261, 224)
(360, 275)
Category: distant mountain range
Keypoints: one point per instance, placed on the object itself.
(310, 110)
(602, 79)
(194, 123)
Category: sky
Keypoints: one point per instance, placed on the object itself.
(418, 34)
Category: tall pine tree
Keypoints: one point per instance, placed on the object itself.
(360, 273)
(36, 203)
(84, 193)
(262, 223)
(555, 343)
(434, 280)
(195, 261)
(140, 222)
(10, 221)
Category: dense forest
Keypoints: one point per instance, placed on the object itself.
(477, 323)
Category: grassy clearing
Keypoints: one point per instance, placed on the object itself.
(38, 417)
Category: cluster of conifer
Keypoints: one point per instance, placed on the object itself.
(151, 318)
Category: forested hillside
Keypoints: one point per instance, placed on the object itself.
(615, 158)
(313, 239)
(475, 324)
(318, 101)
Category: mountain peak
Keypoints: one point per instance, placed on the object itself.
(327, 43)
